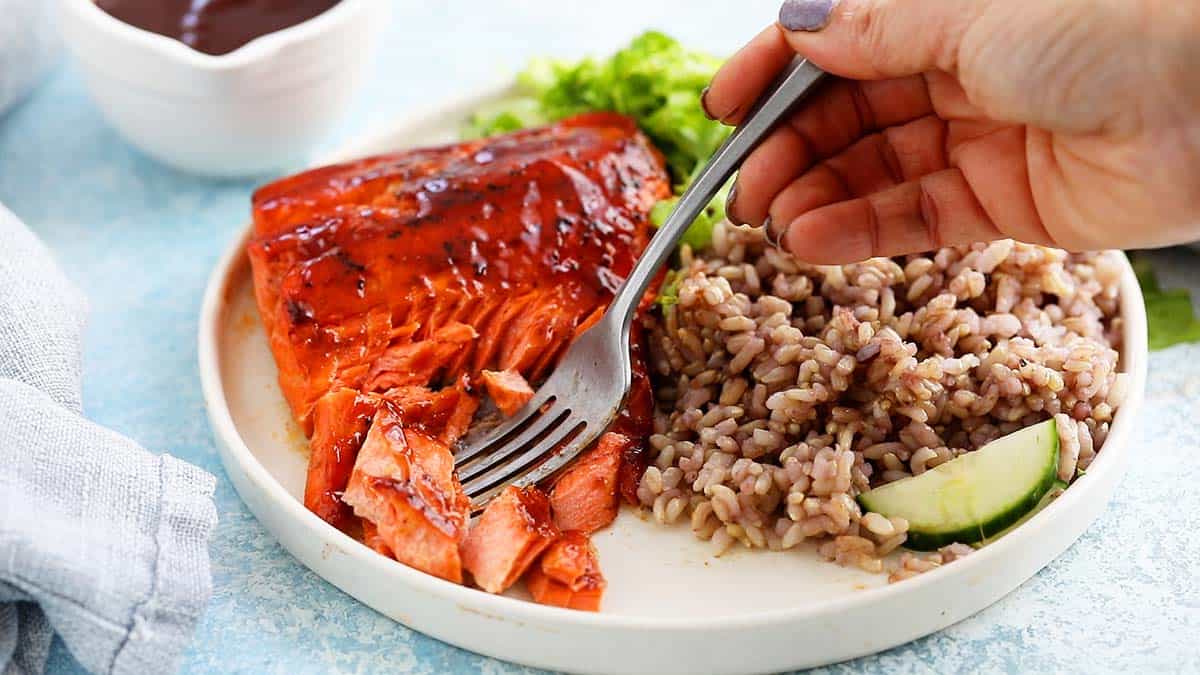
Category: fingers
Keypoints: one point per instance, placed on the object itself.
(937, 210)
(877, 162)
(913, 187)
(904, 160)
(836, 118)
(895, 155)
(874, 39)
(848, 110)
(772, 166)
(742, 78)
(993, 162)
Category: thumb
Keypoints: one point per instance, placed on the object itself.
(876, 39)
(1051, 63)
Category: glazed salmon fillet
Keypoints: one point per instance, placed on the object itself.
(518, 237)
(402, 291)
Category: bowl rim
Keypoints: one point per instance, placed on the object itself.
(1134, 360)
(253, 51)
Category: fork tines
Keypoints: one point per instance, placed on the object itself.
(523, 451)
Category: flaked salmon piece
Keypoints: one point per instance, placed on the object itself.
(404, 485)
(572, 560)
(508, 389)
(418, 362)
(341, 420)
(513, 530)
(445, 414)
(459, 420)
(487, 351)
(568, 574)
(421, 405)
(585, 497)
(537, 335)
(370, 537)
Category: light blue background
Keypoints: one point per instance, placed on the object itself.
(141, 239)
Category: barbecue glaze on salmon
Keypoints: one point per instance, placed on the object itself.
(398, 292)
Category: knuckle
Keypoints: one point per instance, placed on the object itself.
(869, 30)
(930, 212)
(890, 156)
(864, 28)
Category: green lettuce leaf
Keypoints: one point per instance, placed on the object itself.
(504, 117)
(668, 293)
(1144, 270)
(1171, 319)
(654, 80)
(1170, 316)
(699, 235)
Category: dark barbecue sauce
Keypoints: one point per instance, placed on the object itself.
(214, 26)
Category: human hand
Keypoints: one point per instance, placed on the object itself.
(1070, 123)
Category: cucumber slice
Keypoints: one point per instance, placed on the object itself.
(974, 496)
(1053, 493)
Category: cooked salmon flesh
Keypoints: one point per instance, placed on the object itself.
(408, 295)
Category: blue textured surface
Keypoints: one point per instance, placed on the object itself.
(141, 240)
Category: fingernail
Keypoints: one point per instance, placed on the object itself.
(806, 15)
(729, 204)
(704, 104)
(772, 238)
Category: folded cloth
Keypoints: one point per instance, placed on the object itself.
(101, 542)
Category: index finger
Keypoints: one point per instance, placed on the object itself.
(746, 74)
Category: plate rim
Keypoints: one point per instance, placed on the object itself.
(1134, 359)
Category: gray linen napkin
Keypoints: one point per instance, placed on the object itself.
(101, 542)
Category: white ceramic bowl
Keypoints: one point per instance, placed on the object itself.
(670, 606)
(261, 107)
(28, 48)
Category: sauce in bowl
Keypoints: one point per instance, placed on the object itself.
(214, 26)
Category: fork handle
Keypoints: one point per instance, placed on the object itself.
(796, 81)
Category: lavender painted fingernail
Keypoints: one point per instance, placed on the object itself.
(806, 15)
(704, 104)
(773, 238)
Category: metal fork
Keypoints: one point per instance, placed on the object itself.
(587, 389)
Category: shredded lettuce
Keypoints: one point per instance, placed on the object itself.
(699, 234)
(504, 117)
(1170, 316)
(654, 80)
(668, 293)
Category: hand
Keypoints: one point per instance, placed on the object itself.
(1069, 123)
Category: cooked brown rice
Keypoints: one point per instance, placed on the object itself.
(786, 389)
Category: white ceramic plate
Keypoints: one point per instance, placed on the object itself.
(670, 606)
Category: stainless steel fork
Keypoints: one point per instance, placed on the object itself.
(587, 389)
